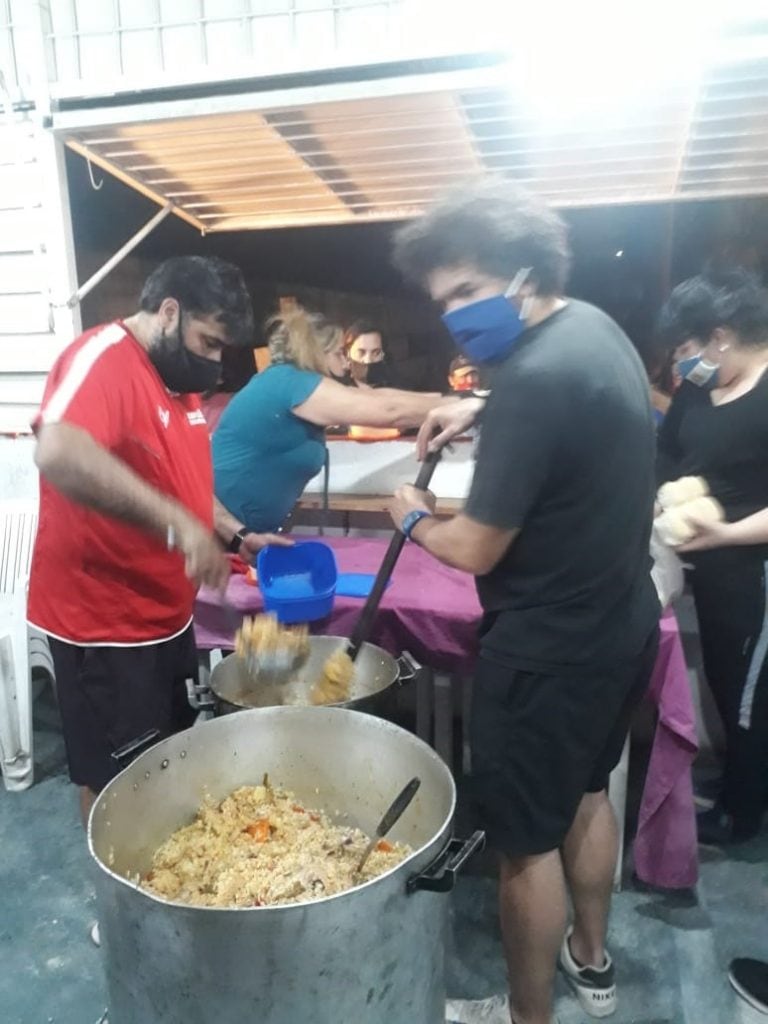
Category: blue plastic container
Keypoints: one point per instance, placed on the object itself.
(298, 583)
(356, 584)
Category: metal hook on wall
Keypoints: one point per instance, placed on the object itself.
(90, 175)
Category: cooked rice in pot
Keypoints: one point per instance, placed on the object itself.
(260, 847)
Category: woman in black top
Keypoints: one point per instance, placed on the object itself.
(368, 365)
(717, 428)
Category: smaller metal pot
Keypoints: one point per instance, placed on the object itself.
(376, 671)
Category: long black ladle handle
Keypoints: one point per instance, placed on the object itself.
(364, 625)
(391, 815)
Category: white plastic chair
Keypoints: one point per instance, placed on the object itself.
(21, 649)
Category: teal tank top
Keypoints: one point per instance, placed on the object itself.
(264, 455)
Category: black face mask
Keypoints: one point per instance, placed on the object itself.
(375, 375)
(181, 370)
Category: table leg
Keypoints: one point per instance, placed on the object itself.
(206, 662)
(424, 685)
(465, 684)
(444, 718)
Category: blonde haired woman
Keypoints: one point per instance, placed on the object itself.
(271, 438)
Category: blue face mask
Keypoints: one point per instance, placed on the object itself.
(684, 366)
(698, 371)
(488, 329)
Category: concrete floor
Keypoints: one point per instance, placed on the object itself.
(671, 950)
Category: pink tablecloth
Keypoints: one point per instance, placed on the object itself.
(428, 609)
(665, 848)
(432, 611)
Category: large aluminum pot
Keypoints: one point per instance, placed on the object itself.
(373, 955)
(376, 671)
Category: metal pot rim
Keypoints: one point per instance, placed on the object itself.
(442, 835)
(349, 704)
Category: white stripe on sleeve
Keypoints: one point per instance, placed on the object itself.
(81, 365)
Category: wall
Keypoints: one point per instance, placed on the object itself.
(18, 474)
(96, 47)
(36, 268)
(118, 294)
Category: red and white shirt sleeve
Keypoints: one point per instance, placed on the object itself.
(88, 388)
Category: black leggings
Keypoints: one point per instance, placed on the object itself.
(729, 588)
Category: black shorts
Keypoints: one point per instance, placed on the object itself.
(109, 696)
(540, 742)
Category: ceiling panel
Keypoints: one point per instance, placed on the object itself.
(389, 157)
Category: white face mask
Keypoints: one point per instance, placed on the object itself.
(703, 373)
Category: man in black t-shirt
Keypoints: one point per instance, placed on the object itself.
(556, 529)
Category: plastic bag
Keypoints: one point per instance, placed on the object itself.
(667, 571)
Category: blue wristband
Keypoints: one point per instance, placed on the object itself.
(411, 519)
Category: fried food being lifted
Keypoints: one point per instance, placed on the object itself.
(335, 683)
(262, 640)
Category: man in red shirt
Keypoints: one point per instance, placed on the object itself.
(127, 526)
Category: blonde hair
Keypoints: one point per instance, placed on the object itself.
(302, 339)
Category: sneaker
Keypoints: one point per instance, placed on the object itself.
(594, 986)
(95, 934)
(710, 790)
(479, 1011)
(750, 979)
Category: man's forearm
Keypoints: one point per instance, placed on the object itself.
(434, 536)
(444, 540)
(462, 542)
(87, 473)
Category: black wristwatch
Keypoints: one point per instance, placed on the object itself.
(474, 393)
(235, 544)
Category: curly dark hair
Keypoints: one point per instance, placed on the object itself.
(203, 286)
(494, 225)
(731, 298)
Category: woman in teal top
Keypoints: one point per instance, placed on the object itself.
(270, 440)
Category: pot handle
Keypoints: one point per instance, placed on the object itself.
(200, 696)
(440, 876)
(131, 750)
(407, 668)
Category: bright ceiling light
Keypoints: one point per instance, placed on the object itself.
(600, 59)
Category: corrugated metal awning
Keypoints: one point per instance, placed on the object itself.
(380, 157)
